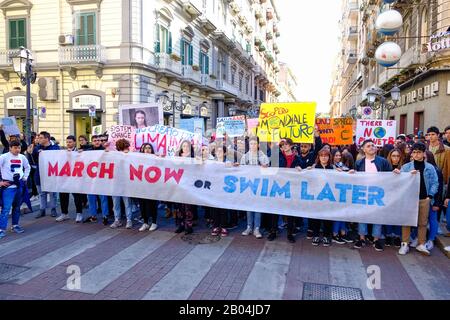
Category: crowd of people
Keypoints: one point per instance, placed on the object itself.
(427, 155)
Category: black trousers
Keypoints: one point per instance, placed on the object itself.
(314, 224)
(64, 199)
(274, 224)
(234, 218)
(219, 217)
(149, 208)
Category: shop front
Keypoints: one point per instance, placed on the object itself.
(16, 106)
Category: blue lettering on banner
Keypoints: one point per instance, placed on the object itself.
(265, 187)
(326, 193)
(253, 185)
(359, 194)
(277, 190)
(376, 194)
(343, 188)
(230, 182)
(305, 195)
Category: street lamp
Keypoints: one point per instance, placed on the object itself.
(253, 112)
(202, 107)
(23, 66)
(376, 93)
(232, 111)
(353, 112)
(172, 105)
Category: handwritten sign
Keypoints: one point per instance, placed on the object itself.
(120, 132)
(337, 131)
(10, 126)
(252, 126)
(293, 120)
(232, 126)
(380, 131)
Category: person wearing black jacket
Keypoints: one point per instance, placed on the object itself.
(287, 159)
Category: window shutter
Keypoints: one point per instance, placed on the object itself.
(200, 62)
(206, 64)
(157, 40)
(169, 46)
(13, 34)
(182, 53)
(191, 55)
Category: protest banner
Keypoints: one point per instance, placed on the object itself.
(295, 120)
(232, 126)
(10, 126)
(140, 116)
(336, 196)
(165, 140)
(194, 125)
(97, 130)
(252, 126)
(380, 131)
(335, 131)
(120, 132)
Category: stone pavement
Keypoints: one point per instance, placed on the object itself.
(160, 265)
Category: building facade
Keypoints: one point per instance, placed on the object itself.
(107, 53)
(288, 84)
(423, 72)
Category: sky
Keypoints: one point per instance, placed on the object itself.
(309, 44)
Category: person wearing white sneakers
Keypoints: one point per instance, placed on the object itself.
(254, 157)
(148, 207)
(428, 187)
(71, 146)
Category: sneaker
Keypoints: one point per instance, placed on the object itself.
(257, 234)
(370, 239)
(414, 243)
(79, 218)
(309, 234)
(423, 250)
(153, 227)
(291, 238)
(129, 224)
(347, 238)
(17, 229)
(378, 245)
(404, 249)
(389, 241)
(282, 226)
(189, 230)
(180, 229)
(116, 224)
(2, 234)
(429, 245)
(90, 219)
(326, 242)
(359, 244)
(315, 241)
(338, 239)
(62, 217)
(223, 232)
(105, 221)
(247, 231)
(144, 227)
(215, 232)
(397, 242)
(54, 214)
(271, 236)
(40, 214)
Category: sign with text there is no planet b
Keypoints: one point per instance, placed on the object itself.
(380, 131)
(294, 120)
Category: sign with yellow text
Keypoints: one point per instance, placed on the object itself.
(293, 120)
(337, 131)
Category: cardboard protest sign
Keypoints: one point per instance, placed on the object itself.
(252, 126)
(336, 131)
(120, 132)
(294, 120)
(140, 116)
(380, 131)
(10, 126)
(165, 140)
(97, 130)
(194, 125)
(232, 126)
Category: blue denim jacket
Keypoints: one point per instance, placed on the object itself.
(430, 176)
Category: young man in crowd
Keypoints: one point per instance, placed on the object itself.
(15, 170)
(447, 136)
(428, 187)
(71, 146)
(371, 163)
(44, 145)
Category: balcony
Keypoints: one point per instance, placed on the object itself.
(190, 75)
(269, 14)
(352, 9)
(258, 13)
(82, 55)
(207, 22)
(352, 57)
(208, 82)
(6, 58)
(221, 36)
(352, 33)
(191, 8)
(166, 65)
(227, 87)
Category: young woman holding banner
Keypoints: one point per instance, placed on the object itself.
(148, 207)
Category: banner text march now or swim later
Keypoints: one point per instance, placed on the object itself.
(381, 198)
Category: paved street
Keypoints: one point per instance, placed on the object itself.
(126, 264)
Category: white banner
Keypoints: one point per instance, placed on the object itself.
(380, 131)
(381, 198)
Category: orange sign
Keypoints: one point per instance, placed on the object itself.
(337, 131)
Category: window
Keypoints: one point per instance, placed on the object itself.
(424, 27)
(86, 29)
(406, 39)
(204, 62)
(233, 74)
(187, 53)
(17, 33)
(241, 81)
(247, 84)
(163, 42)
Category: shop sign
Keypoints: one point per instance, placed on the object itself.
(84, 102)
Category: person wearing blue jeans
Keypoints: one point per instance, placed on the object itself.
(14, 169)
(447, 205)
(118, 212)
(92, 201)
(253, 224)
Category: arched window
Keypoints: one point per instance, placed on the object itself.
(407, 42)
(424, 26)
